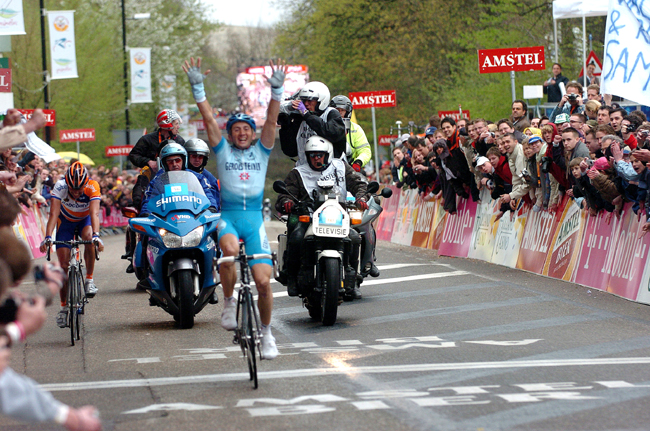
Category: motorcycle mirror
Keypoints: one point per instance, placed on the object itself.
(373, 187)
(129, 212)
(386, 192)
(280, 187)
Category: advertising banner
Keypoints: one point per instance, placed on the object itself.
(377, 99)
(511, 59)
(437, 227)
(458, 230)
(563, 254)
(405, 218)
(62, 44)
(536, 241)
(5, 80)
(50, 115)
(602, 233)
(140, 61)
(254, 91)
(454, 114)
(425, 213)
(509, 235)
(114, 151)
(76, 135)
(386, 219)
(630, 258)
(384, 140)
(485, 228)
(11, 18)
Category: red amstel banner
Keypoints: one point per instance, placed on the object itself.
(511, 59)
(50, 115)
(122, 150)
(76, 135)
(377, 99)
(384, 140)
(387, 217)
(457, 236)
(5, 80)
(454, 114)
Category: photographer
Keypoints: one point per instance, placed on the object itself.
(628, 126)
(20, 316)
(571, 102)
(643, 137)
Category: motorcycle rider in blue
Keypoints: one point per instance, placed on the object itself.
(173, 157)
(241, 168)
(199, 153)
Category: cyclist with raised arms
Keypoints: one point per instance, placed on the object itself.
(241, 168)
(74, 208)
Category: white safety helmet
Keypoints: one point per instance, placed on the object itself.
(316, 144)
(316, 90)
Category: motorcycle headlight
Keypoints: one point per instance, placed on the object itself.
(171, 240)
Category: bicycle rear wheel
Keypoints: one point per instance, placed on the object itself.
(248, 336)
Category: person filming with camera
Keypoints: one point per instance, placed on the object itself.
(571, 102)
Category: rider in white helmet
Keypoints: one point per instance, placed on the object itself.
(309, 114)
(300, 182)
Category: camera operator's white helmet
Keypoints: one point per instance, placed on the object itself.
(316, 144)
(316, 90)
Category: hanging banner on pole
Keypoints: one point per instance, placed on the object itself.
(62, 44)
(11, 17)
(627, 52)
(511, 59)
(140, 75)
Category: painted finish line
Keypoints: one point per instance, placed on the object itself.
(341, 370)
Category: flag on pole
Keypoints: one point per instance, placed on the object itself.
(11, 17)
(140, 75)
(62, 44)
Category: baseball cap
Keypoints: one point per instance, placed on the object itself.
(481, 161)
(430, 131)
(402, 139)
(562, 118)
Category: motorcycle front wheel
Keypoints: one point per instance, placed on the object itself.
(184, 283)
(331, 272)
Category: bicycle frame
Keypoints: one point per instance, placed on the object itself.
(248, 333)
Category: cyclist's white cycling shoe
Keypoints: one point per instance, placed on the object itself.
(62, 317)
(269, 349)
(228, 315)
(90, 288)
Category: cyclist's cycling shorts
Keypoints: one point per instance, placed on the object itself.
(65, 229)
(249, 227)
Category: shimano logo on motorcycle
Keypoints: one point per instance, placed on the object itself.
(173, 199)
(178, 217)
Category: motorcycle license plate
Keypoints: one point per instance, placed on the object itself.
(331, 231)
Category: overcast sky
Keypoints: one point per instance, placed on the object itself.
(244, 12)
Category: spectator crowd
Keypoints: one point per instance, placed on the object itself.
(589, 148)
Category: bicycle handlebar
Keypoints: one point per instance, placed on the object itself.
(71, 243)
(228, 259)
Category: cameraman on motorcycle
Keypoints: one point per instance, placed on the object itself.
(301, 182)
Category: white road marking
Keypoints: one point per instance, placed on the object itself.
(377, 281)
(170, 407)
(343, 370)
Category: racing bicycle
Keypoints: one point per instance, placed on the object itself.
(76, 299)
(248, 333)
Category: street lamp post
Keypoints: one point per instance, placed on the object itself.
(126, 61)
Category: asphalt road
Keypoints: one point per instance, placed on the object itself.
(435, 344)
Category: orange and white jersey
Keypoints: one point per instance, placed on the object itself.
(76, 210)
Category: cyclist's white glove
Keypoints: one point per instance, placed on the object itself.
(195, 77)
(97, 241)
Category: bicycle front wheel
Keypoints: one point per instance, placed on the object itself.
(248, 336)
(73, 298)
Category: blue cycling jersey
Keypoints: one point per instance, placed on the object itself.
(242, 174)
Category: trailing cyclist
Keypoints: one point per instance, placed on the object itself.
(74, 210)
(241, 168)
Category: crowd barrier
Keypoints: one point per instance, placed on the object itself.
(602, 252)
(31, 223)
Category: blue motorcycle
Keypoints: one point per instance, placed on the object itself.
(179, 248)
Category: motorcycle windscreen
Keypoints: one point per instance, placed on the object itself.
(176, 191)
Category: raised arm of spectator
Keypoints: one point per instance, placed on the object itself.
(195, 76)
